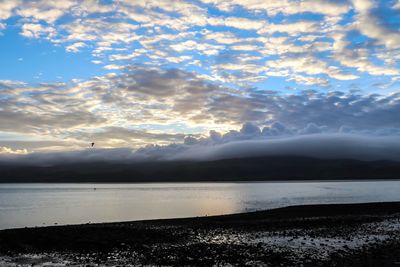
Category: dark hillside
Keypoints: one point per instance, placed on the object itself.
(245, 169)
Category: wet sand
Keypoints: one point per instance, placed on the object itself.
(313, 235)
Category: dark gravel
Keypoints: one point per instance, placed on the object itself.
(314, 235)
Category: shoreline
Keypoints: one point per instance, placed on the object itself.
(294, 180)
(316, 235)
(289, 212)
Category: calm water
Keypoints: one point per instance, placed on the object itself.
(46, 204)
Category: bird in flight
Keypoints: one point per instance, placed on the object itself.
(92, 144)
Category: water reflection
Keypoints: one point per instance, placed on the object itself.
(45, 204)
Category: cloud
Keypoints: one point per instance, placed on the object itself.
(250, 131)
(319, 145)
(331, 146)
(370, 25)
(332, 109)
(44, 10)
(32, 30)
(9, 151)
(396, 5)
(33, 122)
(358, 58)
(152, 105)
(6, 8)
(237, 22)
(74, 48)
(290, 28)
(175, 69)
(286, 7)
(159, 33)
(310, 66)
(113, 136)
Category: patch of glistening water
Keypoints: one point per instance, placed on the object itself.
(25, 260)
(305, 244)
(115, 258)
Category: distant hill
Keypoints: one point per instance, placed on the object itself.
(246, 169)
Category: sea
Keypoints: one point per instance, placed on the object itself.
(30, 205)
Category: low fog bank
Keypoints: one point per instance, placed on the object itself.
(319, 145)
(324, 146)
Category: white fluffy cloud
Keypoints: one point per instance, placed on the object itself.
(167, 33)
(368, 24)
(285, 6)
(35, 30)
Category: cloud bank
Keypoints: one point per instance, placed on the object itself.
(249, 142)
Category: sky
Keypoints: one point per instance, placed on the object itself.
(136, 75)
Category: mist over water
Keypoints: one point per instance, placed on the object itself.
(48, 204)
